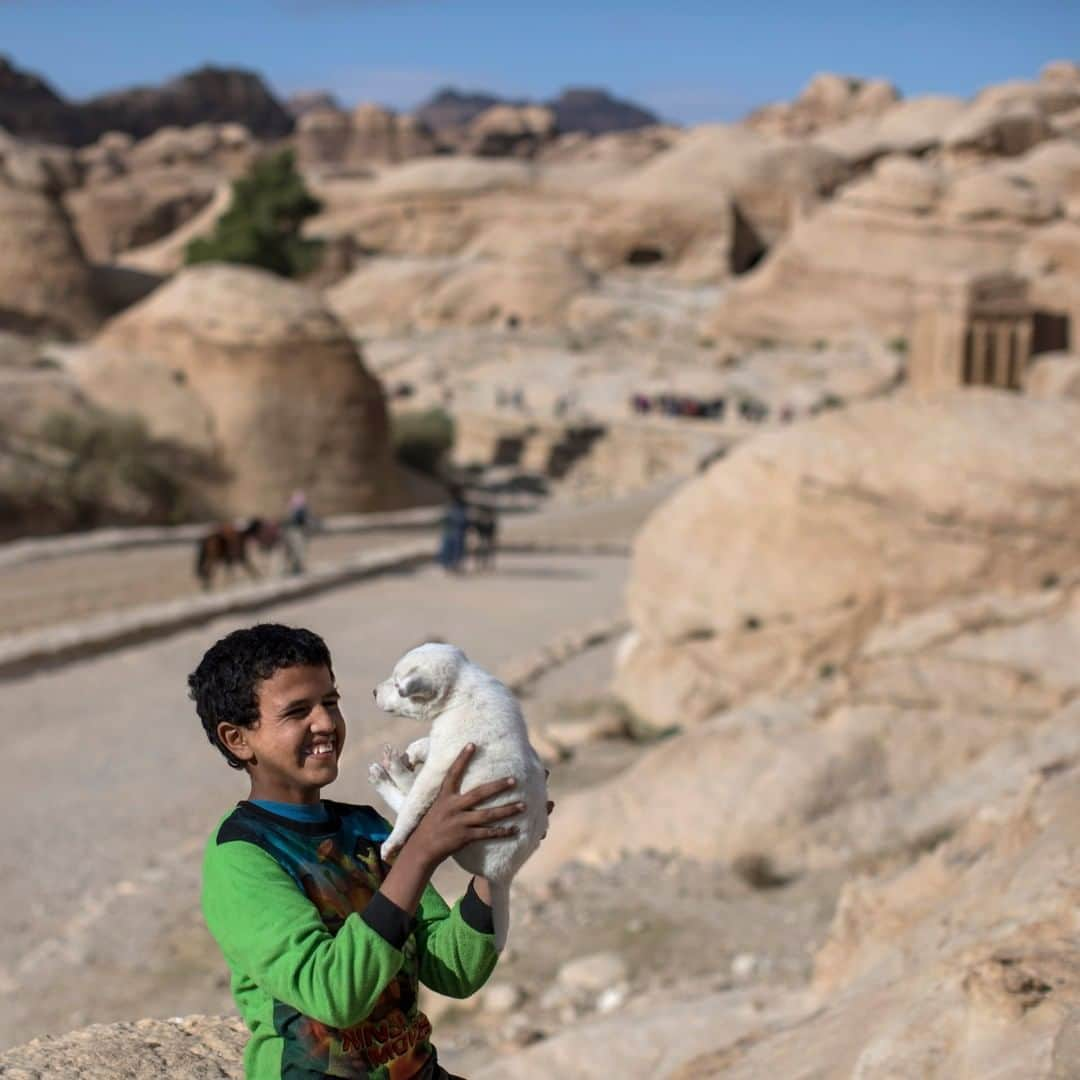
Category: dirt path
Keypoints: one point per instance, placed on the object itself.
(53, 591)
(112, 787)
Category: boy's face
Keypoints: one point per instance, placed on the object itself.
(292, 752)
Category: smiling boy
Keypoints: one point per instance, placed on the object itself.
(326, 942)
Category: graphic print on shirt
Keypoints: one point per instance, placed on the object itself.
(339, 873)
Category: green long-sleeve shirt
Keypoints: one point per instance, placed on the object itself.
(324, 967)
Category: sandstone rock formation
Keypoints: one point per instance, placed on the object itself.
(963, 966)
(914, 126)
(166, 255)
(133, 210)
(286, 400)
(859, 259)
(825, 101)
(45, 281)
(38, 166)
(771, 180)
(136, 193)
(782, 557)
(510, 131)
(331, 140)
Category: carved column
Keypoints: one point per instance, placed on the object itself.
(1004, 334)
(978, 369)
(1023, 353)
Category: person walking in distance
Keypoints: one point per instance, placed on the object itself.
(455, 523)
(294, 533)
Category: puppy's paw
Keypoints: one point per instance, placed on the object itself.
(378, 775)
(396, 766)
(416, 752)
(389, 851)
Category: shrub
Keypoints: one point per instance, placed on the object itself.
(422, 439)
(262, 225)
(116, 471)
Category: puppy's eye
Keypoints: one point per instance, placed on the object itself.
(416, 687)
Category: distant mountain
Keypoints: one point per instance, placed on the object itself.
(30, 107)
(577, 109)
(208, 95)
(595, 111)
(308, 100)
(449, 108)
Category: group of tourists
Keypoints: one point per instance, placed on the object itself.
(687, 405)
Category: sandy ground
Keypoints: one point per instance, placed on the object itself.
(113, 788)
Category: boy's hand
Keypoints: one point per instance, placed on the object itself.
(453, 820)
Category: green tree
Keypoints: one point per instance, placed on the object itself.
(262, 225)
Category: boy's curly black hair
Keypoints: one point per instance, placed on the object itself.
(225, 685)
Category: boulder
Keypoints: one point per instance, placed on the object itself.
(234, 336)
(880, 509)
(192, 1046)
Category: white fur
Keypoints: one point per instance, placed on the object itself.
(439, 685)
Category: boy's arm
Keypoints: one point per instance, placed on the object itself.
(456, 946)
(269, 930)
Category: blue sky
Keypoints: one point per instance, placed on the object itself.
(689, 60)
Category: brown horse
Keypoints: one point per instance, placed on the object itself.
(226, 545)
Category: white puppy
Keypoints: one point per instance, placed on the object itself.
(439, 685)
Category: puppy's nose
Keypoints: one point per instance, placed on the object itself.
(375, 692)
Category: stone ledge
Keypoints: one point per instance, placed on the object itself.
(39, 649)
(53, 547)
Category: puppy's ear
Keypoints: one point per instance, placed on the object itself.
(416, 687)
